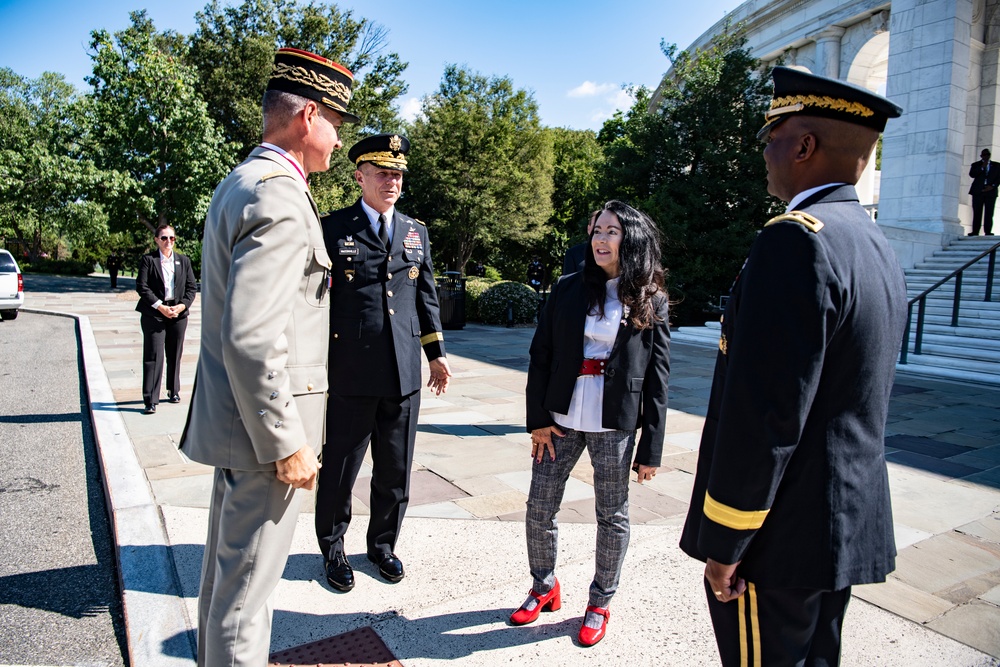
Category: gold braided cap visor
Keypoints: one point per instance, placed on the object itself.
(781, 107)
(384, 159)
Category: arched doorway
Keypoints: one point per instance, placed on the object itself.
(869, 69)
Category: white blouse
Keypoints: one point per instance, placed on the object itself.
(587, 405)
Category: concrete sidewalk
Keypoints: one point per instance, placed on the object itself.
(463, 539)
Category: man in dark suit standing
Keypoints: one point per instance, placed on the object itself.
(166, 288)
(790, 505)
(383, 310)
(985, 179)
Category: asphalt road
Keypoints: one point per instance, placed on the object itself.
(59, 598)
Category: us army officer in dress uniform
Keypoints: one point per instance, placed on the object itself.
(790, 506)
(384, 309)
(257, 413)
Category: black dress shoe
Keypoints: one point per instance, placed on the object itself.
(390, 567)
(339, 572)
(176, 398)
(150, 409)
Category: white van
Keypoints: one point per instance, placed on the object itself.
(11, 286)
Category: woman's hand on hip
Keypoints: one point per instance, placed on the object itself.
(541, 440)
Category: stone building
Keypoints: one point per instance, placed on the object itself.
(938, 59)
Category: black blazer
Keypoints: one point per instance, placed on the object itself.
(635, 378)
(149, 284)
(383, 305)
(980, 180)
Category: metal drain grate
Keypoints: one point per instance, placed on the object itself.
(357, 648)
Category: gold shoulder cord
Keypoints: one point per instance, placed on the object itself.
(274, 174)
(812, 223)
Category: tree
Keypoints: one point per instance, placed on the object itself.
(691, 160)
(232, 51)
(577, 159)
(480, 168)
(48, 189)
(148, 121)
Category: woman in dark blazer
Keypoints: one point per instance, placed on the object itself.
(599, 367)
(163, 315)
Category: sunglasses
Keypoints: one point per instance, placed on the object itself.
(168, 238)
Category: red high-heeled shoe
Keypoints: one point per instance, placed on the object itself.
(590, 636)
(550, 601)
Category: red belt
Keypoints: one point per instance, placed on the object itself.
(593, 366)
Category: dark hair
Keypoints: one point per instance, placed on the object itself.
(641, 275)
(161, 227)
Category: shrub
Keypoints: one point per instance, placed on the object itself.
(474, 289)
(65, 267)
(492, 304)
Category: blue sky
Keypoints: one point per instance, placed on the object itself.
(573, 55)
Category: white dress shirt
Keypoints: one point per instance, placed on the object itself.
(167, 271)
(373, 218)
(599, 333)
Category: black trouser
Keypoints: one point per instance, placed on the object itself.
(982, 212)
(159, 334)
(779, 626)
(389, 423)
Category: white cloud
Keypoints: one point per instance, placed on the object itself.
(591, 89)
(609, 104)
(410, 109)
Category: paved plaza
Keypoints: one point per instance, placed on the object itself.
(463, 539)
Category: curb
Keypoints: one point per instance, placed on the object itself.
(157, 626)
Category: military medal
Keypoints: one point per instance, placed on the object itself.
(414, 272)
(412, 240)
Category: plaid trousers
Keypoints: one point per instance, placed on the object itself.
(611, 456)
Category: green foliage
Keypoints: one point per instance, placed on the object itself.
(475, 287)
(47, 187)
(690, 159)
(148, 122)
(62, 267)
(480, 167)
(578, 161)
(233, 48)
(494, 301)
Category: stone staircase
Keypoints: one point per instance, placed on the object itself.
(969, 352)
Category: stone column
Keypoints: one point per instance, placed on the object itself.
(923, 168)
(828, 51)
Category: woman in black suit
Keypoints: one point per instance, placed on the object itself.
(599, 367)
(166, 288)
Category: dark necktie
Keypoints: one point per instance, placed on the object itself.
(383, 231)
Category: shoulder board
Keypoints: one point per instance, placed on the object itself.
(274, 174)
(420, 222)
(812, 223)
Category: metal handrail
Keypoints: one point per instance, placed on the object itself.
(921, 299)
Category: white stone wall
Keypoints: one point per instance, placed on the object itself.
(939, 59)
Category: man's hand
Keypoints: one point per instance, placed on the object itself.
(645, 472)
(440, 375)
(725, 584)
(299, 469)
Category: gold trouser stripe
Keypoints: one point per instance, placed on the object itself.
(431, 337)
(749, 645)
(754, 624)
(743, 630)
(730, 517)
